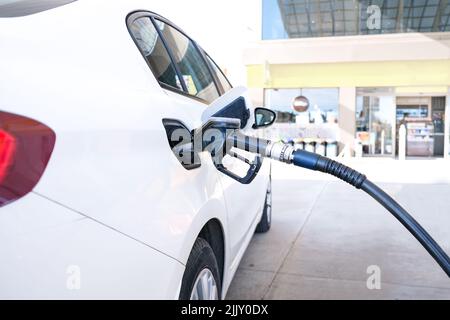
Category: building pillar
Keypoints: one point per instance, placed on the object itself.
(447, 127)
(256, 96)
(347, 117)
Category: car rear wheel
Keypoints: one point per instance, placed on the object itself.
(201, 279)
(266, 219)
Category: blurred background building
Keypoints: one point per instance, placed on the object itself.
(366, 67)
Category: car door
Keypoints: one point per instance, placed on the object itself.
(193, 81)
(196, 69)
(244, 201)
(202, 83)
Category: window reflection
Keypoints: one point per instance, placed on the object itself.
(193, 67)
(153, 49)
(220, 76)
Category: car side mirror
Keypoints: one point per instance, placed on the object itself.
(264, 118)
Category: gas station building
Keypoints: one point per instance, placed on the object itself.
(367, 67)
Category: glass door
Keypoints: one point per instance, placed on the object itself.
(438, 119)
(375, 121)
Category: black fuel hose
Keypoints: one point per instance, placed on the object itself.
(305, 159)
(409, 223)
(308, 160)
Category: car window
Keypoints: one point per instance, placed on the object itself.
(219, 74)
(19, 8)
(148, 40)
(193, 68)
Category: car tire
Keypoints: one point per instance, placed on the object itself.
(201, 274)
(266, 218)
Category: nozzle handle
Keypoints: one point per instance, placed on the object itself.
(251, 174)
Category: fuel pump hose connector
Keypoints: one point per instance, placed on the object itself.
(309, 160)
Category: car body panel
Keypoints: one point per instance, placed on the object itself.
(53, 256)
(111, 162)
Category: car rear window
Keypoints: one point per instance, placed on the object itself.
(20, 8)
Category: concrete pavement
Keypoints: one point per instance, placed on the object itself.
(325, 235)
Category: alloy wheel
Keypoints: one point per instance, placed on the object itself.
(205, 286)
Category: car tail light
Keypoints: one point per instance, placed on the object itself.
(25, 149)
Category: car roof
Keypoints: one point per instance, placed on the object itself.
(24, 8)
(20, 8)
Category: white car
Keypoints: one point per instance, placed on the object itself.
(94, 203)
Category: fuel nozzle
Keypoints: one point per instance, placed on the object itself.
(286, 153)
(265, 148)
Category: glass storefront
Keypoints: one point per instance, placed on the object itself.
(380, 115)
(424, 120)
(285, 19)
(324, 105)
(375, 121)
(315, 129)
